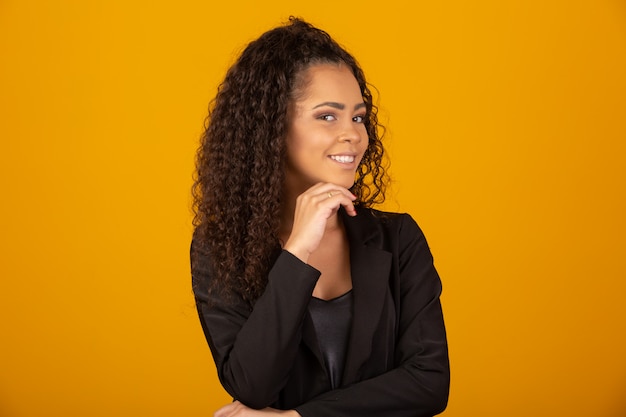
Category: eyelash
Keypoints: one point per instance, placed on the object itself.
(361, 118)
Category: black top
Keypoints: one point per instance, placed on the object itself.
(332, 320)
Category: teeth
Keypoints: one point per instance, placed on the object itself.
(342, 158)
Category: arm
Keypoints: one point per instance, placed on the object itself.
(253, 349)
(418, 385)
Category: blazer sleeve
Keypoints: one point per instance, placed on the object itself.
(235, 331)
(419, 384)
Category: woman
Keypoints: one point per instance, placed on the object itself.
(312, 302)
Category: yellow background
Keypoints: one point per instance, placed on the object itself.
(506, 129)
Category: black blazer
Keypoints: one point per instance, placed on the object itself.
(397, 356)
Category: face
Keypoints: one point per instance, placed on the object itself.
(327, 137)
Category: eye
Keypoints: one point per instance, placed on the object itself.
(358, 119)
(327, 117)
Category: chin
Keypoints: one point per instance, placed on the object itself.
(345, 183)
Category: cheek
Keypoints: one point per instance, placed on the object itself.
(292, 154)
(298, 153)
(310, 141)
(365, 140)
(365, 146)
(293, 142)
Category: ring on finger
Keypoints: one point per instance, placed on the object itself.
(330, 194)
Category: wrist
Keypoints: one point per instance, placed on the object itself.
(299, 253)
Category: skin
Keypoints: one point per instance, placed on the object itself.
(325, 143)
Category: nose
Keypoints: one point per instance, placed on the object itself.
(352, 132)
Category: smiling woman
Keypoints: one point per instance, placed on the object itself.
(312, 302)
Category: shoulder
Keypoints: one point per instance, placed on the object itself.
(386, 230)
(394, 222)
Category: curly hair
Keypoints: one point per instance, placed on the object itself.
(238, 183)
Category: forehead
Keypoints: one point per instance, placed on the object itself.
(329, 81)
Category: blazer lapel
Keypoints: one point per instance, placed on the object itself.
(370, 269)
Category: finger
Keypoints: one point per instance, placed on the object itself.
(344, 192)
(349, 207)
(335, 191)
(336, 198)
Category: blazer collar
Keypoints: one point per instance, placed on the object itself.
(363, 228)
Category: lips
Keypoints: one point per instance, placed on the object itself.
(344, 159)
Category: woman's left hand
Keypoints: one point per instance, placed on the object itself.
(237, 409)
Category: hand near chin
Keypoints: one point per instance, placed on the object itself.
(313, 209)
(237, 409)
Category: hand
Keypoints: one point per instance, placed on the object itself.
(313, 209)
(237, 409)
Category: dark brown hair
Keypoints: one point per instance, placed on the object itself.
(239, 175)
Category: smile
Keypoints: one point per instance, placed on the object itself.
(344, 159)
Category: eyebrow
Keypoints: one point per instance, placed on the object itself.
(338, 106)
